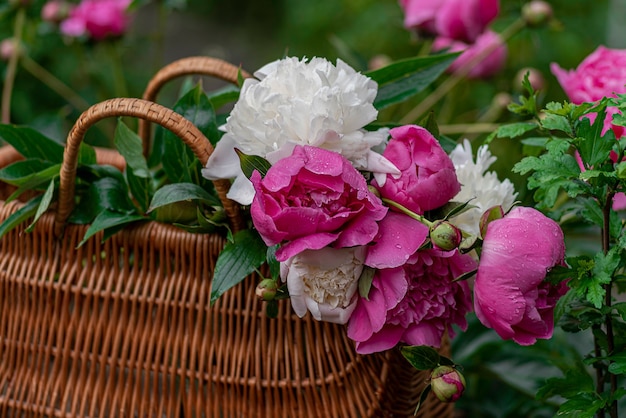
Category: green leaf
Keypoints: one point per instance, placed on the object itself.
(581, 406)
(618, 363)
(223, 96)
(109, 219)
(43, 205)
(20, 215)
(430, 123)
(593, 147)
(421, 357)
(179, 162)
(365, 281)
(130, 147)
(554, 122)
(236, 261)
(179, 192)
(32, 144)
(22, 171)
(107, 193)
(36, 181)
(273, 264)
(251, 163)
(271, 308)
(86, 154)
(406, 78)
(575, 382)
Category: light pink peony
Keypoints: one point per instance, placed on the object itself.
(485, 67)
(98, 19)
(601, 74)
(415, 304)
(427, 180)
(510, 294)
(462, 20)
(312, 199)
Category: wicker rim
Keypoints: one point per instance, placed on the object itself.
(209, 66)
(144, 110)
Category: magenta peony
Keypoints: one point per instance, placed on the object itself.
(510, 294)
(488, 44)
(415, 304)
(312, 199)
(427, 180)
(97, 19)
(462, 20)
(601, 74)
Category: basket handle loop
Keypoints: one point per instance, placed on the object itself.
(144, 110)
(209, 66)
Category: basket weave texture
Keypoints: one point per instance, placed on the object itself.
(124, 328)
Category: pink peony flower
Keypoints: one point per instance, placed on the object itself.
(510, 294)
(312, 199)
(427, 180)
(462, 20)
(324, 282)
(488, 44)
(98, 19)
(601, 74)
(415, 304)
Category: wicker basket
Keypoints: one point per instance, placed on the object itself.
(123, 328)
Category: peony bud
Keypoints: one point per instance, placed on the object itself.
(445, 236)
(447, 383)
(535, 78)
(537, 13)
(7, 48)
(55, 11)
(491, 214)
(266, 289)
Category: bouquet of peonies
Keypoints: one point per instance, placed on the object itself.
(380, 228)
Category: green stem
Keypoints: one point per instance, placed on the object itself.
(54, 83)
(407, 211)
(459, 75)
(9, 78)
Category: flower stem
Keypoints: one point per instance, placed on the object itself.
(54, 83)
(407, 211)
(459, 75)
(9, 78)
(610, 337)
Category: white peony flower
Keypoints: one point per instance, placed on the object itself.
(481, 188)
(324, 282)
(294, 102)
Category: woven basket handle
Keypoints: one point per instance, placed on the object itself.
(144, 110)
(186, 66)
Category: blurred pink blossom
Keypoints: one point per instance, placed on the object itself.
(462, 20)
(97, 19)
(510, 293)
(489, 45)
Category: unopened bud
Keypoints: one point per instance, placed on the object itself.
(55, 11)
(447, 383)
(266, 289)
(378, 61)
(373, 190)
(535, 78)
(491, 214)
(445, 236)
(7, 48)
(537, 13)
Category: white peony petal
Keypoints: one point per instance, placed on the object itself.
(223, 162)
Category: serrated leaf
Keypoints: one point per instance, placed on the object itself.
(21, 215)
(593, 147)
(236, 261)
(618, 363)
(179, 192)
(575, 382)
(251, 163)
(43, 205)
(514, 130)
(406, 78)
(109, 219)
(554, 122)
(581, 406)
(421, 357)
(32, 144)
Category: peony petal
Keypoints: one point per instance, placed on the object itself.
(386, 339)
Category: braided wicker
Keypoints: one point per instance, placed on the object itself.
(124, 328)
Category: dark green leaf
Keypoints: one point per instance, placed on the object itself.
(140, 188)
(581, 406)
(106, 193)
(236, 261)
(575, 382)
(223, 96)
(618, 363)
(179, 192)
(32, 144)
(423, 397)
(43, 205)
(271, 308)
(406, 78)
(430, 123)
(251, 163)
(20, 215)
(593, 147)
(36, 181)
(273, 264)
(421, 357)
(86, 154)
(109, 219)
